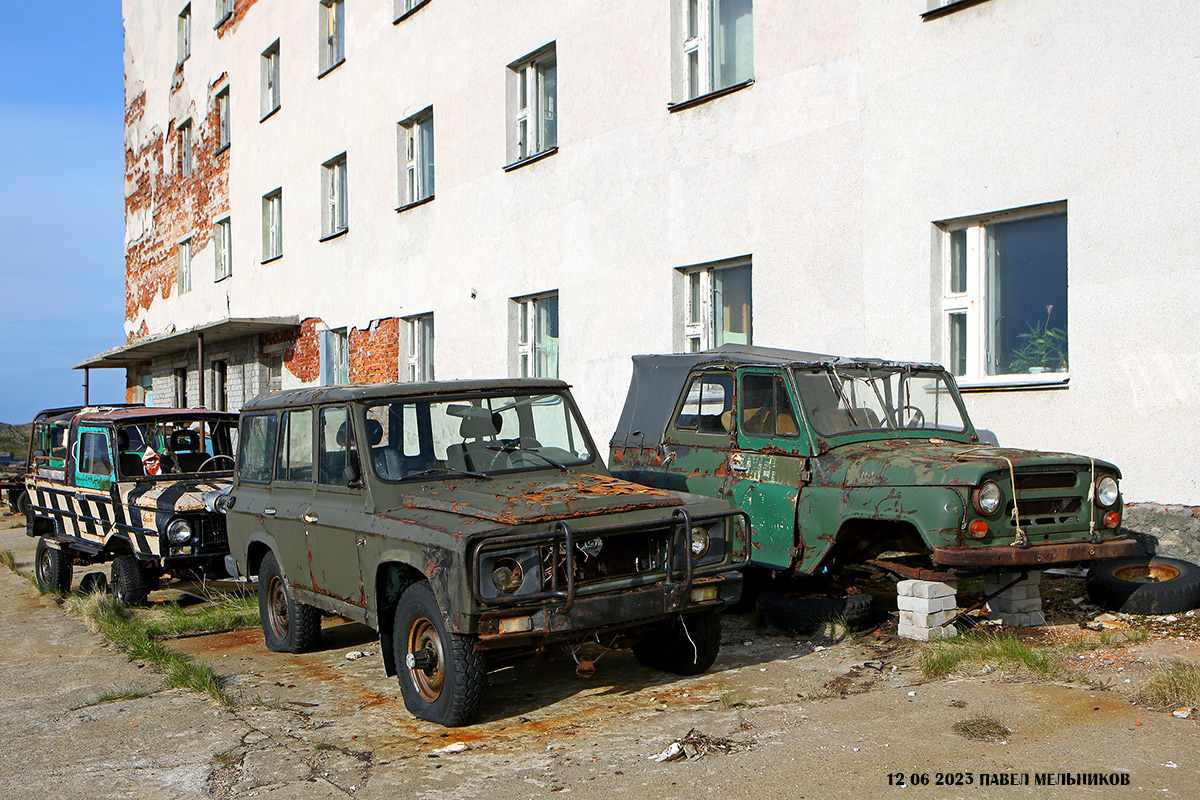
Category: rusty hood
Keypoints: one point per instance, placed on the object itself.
(926, 462)
(518, 500)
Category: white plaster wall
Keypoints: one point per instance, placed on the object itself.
(1012, 103)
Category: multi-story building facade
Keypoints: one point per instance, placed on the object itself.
(354, 190)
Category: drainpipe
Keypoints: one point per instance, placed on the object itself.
(86, 388)
(200, 365)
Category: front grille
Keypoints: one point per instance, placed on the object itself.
(213, 533)
(1046, 511)
(1033, 481)
(619, 555)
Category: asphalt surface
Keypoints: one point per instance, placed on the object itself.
(781, 717)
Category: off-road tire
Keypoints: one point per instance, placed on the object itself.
(1144, 585)
(807, 613)
(52, 568)
(289, 626)
(450, 692)
(688, 648)
(128, 582)
(24, 505)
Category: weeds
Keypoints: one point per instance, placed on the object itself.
(220, 615)
(8, 560)
(127, 631)
(127, 693)
(1170, 686)
(986, 646)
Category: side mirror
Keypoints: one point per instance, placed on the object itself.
(39, 453)
(351, 477)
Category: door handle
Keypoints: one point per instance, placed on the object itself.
(270, 512)
(309, 518)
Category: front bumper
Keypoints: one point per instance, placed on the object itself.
(1043, 555)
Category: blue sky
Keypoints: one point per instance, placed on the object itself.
(62, 223)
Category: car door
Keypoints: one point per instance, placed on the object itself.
(334, 519)
(291, 493)
(93, 477)
(698, 438)
(769, 465)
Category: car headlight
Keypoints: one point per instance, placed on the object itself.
(179, 531)
(1106, 492)
(699, 541)
(987, 498)
(507, 575)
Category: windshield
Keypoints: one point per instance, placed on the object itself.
(175, 446)
(423, 437)
(838, 400)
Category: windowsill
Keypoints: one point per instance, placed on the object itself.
(334, 235)
(949, 8)
(410, 12)
(271, 113)
(415, 203)
(331, 68)
(530, 159)
(223, 20)
(272, 258)
(713, 95)
(221, 149)
(1015, 383)
(225, 277)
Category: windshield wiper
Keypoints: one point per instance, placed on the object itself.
(446, 471)
(505, 448)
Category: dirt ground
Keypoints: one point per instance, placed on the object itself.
(777, 716)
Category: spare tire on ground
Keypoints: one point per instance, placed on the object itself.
(1144, 585)
(806, 613)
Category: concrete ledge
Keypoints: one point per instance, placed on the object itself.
(1172, 531)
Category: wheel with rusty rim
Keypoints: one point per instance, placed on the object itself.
(442, 677)
(1144, 585)
(288, 626)
(52, 568)
(129, 583)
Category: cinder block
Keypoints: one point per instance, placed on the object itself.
(925, 620)
(1012, 620)
(926, 589)
(926, 605)
(1002, 605)
(1037, 618)
(926, 634)
(992, 583)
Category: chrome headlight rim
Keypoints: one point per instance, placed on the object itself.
(699, 541)
(179, 531)
(1106, 491)
(987, 499)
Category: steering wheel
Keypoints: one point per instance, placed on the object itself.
(916, 416)
(210, 459)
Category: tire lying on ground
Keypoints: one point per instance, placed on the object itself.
(1144, 585)
(807, 613)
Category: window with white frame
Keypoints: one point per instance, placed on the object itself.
(223, 119)
(223, 245)
(183, 266)
(1004, 308)
(335, 357)
(717, 305)
(272, 225)
(183, 142)
(274, 373)
(717, 48)
(334, 219)
(537, 335)
(402, 8)
(270, 80)
(224, 8)
(416, 157)
(184, 29)
(419, 330)
(533, 104)
(333, 34)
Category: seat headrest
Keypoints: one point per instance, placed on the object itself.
(185, 440)
(122, 440)
(374, 432)
(343, 433)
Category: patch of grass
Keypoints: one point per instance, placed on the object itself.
(1001, 647)
(227, 758)
(127, 693)
(324, 746)
(8, 560)
(125, 629)
(225, 614)
(1171, 686)
(1106, 639)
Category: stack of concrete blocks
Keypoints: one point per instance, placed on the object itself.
(925, 608)
(1020, 605)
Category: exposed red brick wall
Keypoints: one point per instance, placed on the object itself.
(240, 7)
(177, 205)
(375, 352)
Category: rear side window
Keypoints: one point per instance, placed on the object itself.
(766, 407)
(257, 438)
(296, 447)
(707, 404)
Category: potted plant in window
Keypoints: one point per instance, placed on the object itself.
(1042, 348)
